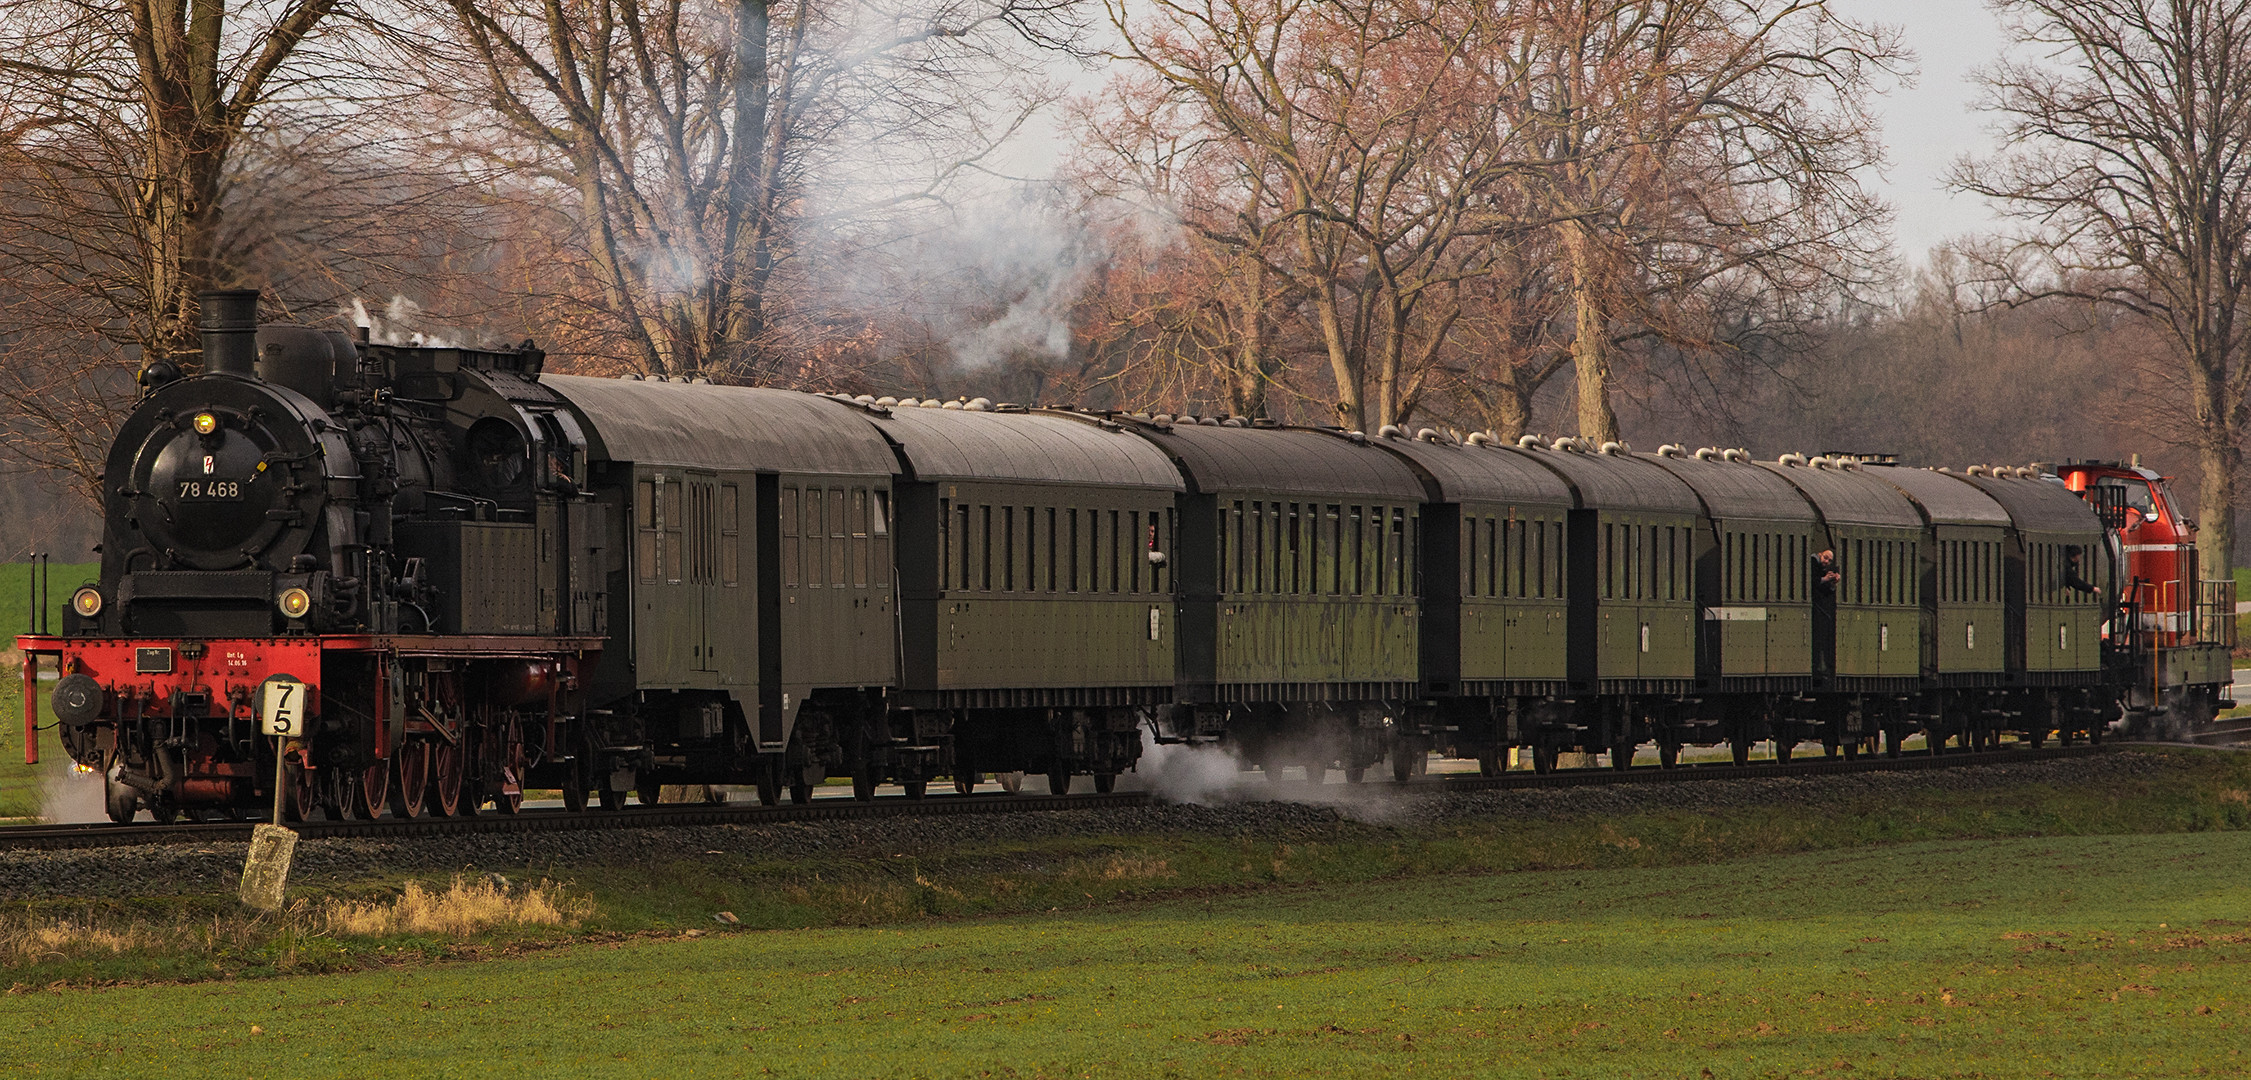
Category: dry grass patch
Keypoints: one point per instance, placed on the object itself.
(463, 908)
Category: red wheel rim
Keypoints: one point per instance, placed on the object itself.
(371, 788)
(301, 792)
(412, 784)
(445, 779)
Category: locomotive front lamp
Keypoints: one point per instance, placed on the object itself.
(206, 423)
(87, 602)
(295, 602)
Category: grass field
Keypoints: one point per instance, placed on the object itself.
(2080, 956)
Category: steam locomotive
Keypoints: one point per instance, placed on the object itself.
(486, 578)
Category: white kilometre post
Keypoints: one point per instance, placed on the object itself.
(265, 872)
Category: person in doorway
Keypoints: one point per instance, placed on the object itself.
(1825, 576)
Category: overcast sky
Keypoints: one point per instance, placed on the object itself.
(1926, 126)
(1930, 124)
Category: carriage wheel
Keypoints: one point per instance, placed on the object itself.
(863, 784)
(966, 782)
(1105, 783)
(1740, 747)
(1783, 748)
(446, 768)
(1668, 754)
(611, 798)
(574, 787)
(1353, 774)
(1489, 761)
(1622, 755)
(916, 789)
(410, 789)
(1010, 782)
(648, 791)
(1544, 758)
(769, 786)
(1059, 782)
(367, 790)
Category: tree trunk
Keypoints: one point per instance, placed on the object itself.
(1246, 390)
(1509, 410)
(1590, 344)
(2218, 457)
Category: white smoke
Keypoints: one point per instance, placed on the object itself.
(403, 323)
(1213, 774)
(69, 795)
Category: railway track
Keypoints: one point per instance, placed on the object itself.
(62, 837)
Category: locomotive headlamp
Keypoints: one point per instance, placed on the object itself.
(206, 423)
(295, 602)
(87, 602)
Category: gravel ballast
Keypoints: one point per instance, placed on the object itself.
(160, 870)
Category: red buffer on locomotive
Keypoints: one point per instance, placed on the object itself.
(2172, 632)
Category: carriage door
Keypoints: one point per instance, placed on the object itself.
(701, 574)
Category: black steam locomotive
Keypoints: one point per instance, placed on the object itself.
(487, 578)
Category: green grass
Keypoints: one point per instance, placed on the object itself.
(21, 784)
(15, 594)
(2074, 956)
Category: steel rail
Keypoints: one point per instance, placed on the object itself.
(677, 815)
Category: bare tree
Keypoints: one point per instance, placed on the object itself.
(1687, 144)
(119, 123)
(1349, 147)
(2130, 160)
(703, 145)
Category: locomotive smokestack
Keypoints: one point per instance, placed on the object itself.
(230, 331)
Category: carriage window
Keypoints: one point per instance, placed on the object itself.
(879, 529)
(1231, 547)
(730, 535)
(961, 547)
(1355, 541)
(645, 530)
(839, 539)
(985, 548)
(1402, 554)
(673, 522)
(858, 526)
(816, 549)
(1008, 548)
(1053, 550)
(1134, 561)
(791, 572)
(1115, 548)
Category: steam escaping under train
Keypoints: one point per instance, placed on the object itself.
(486, 578)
